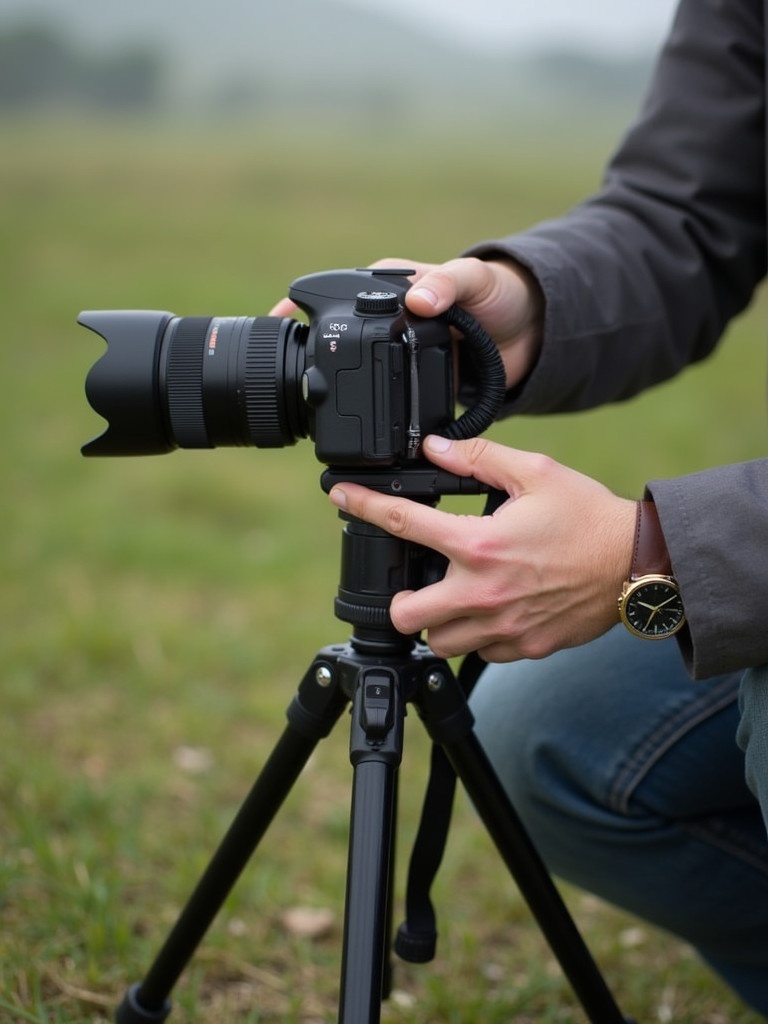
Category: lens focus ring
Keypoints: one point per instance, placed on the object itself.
(184, 382)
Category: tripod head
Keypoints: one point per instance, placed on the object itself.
(376, 565)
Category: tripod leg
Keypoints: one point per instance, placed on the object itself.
(376, 745)
(444, 710)
(387, 979)
(311, 716)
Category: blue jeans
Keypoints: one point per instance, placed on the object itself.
(629, 779)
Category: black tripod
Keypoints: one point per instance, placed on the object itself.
(379, 672)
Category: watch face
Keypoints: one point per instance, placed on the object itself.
(653, 608)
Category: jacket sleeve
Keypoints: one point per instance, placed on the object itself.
(715, 524)
(641, 280)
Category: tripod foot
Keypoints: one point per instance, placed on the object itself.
(415, 947)
(131, 1011)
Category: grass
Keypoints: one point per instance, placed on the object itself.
(157, 614)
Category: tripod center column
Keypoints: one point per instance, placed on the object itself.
(374, 567)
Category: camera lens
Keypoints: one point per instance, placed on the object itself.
(195, 382)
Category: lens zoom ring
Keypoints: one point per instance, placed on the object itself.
(264, 384)
(185, 382)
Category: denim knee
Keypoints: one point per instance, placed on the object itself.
(574, 735)
(629, 780)
(752, 734)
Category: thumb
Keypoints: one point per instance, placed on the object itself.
(431, 295)
(472, 283)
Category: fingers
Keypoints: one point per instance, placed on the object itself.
(483, 460)
(505, 469)
(409, 520)
(501, 467)
(414, 611)
(285, 307)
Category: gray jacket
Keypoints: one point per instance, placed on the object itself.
(642, 279)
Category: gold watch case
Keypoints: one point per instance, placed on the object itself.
(651, 607)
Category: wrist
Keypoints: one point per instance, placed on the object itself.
(520, 352)
(623, 545)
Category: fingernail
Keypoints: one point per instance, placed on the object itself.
(436, 443)
(338, 496)
(426, 294)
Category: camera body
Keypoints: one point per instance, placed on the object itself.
(363, 379)
(375, 380)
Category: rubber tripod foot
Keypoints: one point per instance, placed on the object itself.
(131, 1011)
(415, 947)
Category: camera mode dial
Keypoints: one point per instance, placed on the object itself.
(377, 303)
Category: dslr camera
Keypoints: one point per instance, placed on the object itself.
(364, 379)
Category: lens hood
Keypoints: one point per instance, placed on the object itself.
(123, 386)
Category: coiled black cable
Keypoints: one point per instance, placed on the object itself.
(492, 378)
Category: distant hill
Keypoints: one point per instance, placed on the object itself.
(317, 53)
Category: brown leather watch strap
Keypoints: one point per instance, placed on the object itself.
(650, 555)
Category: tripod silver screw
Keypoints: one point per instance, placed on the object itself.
(435, 680)
(323, 676)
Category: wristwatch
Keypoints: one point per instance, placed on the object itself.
(650, 605)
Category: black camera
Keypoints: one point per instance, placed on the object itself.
(365, 379)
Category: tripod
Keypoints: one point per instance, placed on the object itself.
(379, 672)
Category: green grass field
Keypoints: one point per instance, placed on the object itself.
(158, 613)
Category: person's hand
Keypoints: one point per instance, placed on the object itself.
(543, 573)
(501, 295)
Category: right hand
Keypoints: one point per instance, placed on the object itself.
(540, 574)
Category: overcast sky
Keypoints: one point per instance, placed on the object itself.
(619, 26)
(608, 25)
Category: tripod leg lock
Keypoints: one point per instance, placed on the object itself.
(131, 1011)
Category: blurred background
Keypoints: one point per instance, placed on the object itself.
(401, 59)
(157, 614)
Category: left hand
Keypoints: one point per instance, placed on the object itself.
(501, 294)
(543, 573)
